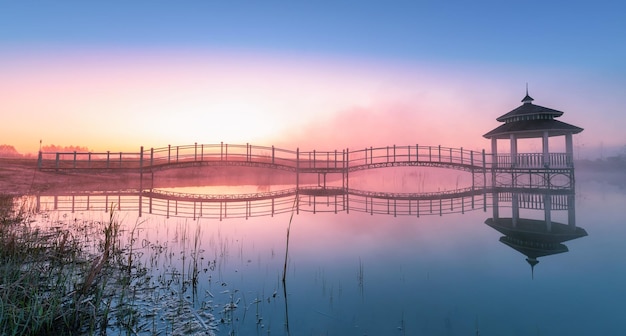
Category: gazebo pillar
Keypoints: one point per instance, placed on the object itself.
(514, 209)
(494, 152)
(569, 149)
(547, 208)
(546, 150)
(513, 140)
(571, 211)
(495, 206)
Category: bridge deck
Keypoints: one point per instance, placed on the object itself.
(337, 161)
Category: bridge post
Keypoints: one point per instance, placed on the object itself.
(221, 151)
(461, 155)
(273, 156)
(394, 153)
(348, 180)
(314, 156)
(39, 161)
(195, 154)
(151, 156)
(493, 173)
(201, 159)
(108, 156)
(89, 160)
(297, 168)
(140, 174)
(472, 164)
(177, 147)
(297, 179)
(387, 155)
(248, 150)
(439, 153)
(169, 151)
(430, 153)
(74, 159)
(57, 161)
(343, 169)
(336, 157)
(417, 153)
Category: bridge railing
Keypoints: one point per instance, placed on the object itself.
(91, 160)
(220, 153)
(416, 154)
(303, 160)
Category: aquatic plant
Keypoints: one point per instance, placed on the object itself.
(65, 276)
(47, 283)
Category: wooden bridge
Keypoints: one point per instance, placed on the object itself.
(553, 170)
(336, 161)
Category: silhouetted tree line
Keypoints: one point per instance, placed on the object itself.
(55, 148)
(617, 163)
(9, 151)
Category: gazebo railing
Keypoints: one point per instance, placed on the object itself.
(533, 160)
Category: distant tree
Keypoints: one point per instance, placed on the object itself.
(55, 148)
(9, 151)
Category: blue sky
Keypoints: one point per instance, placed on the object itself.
(559, 33)
(563, 49)
(573, 33)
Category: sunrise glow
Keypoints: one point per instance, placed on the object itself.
(73, 90)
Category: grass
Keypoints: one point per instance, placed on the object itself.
(51, 281)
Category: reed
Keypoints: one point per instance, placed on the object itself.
(50, 281)
(360, 278)
(293, 209)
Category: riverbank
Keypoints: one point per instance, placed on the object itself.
(20, 177)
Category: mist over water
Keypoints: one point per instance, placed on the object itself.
(395, 270)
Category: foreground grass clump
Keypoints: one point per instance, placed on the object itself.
(53, 281)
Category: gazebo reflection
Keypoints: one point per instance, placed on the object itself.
(535, 238)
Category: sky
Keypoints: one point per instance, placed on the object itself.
(312, 75)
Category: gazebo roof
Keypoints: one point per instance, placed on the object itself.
(527, 109)
(532, 129)
(531, 121)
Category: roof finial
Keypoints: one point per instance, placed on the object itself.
(528, 99)
(527, 88)
(532, 262)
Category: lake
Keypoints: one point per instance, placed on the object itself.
(380, 262)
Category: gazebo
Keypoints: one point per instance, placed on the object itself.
(533, 121)
(526, 122)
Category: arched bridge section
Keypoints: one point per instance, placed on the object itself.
(321, 162)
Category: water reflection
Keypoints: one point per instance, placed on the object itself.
(171, 203)
(360, 262)
(529, 227)
(535, 238)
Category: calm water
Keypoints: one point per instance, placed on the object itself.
(357, 273)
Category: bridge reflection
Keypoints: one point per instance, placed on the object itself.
(525, 216)
(225, 206)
